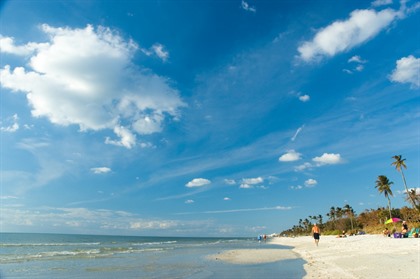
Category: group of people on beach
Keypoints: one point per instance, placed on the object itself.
(404, 230)
(262, 237)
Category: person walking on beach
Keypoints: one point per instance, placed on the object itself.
(316, 232)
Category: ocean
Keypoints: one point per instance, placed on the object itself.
(51, 256)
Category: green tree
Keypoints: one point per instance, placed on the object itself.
(384, 187)
(399, 164)
(350, 213)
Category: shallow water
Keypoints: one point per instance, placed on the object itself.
(90, 256)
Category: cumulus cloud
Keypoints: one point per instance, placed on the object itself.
(246, 186)
(198, 182)
(100, 170)
(290, 156)
(247, 7)
(248, 183)
(253, 181)
(311, 183)
(304, 98)
(189, 201)
(324, 159)
(407, 71)
(341, 36)
(7, 45)
(328, 159)
(226, 199)
(14, 125)
(86, 77)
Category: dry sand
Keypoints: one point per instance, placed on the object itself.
(363, 256)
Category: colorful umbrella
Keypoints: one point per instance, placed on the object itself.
(393, 220)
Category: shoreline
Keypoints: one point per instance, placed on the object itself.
(362, 256)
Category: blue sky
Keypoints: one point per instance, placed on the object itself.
(203, 118)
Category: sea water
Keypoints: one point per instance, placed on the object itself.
(96, 256)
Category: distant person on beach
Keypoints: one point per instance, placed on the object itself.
(387, 233)
(316, 232)
(404, 229)
(265, 238)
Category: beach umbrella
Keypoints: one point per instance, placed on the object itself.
(393, 220)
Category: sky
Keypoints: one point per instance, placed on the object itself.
(203, 118)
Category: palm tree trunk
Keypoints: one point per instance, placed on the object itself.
(389, 207)
(406, 189)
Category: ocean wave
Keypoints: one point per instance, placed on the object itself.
(65, 254)
(48, 244)
(154, 243)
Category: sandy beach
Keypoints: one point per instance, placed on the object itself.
(364, 256)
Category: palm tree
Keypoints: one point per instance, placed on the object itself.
(332, 216)
(399, 165)
(349, 212)
(384, 186)
(412, 195)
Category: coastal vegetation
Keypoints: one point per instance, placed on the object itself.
(345, 219)
(370, 220)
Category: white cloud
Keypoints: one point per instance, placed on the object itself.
(304, 166)
(13, 127)
(407, 71)
(249, 183)
(246, 186)
(328, 159)
(198, 182)
(226, 199)
(298, 187)
(356, 59)
(230, 181)
(304, 98)
(290, 156)
(253, 181)
(247, 7)
(359, 68)
(8, 197)
(7, 45)
(93, 83)
(340, 36)
(154, 225)
(240, 210)
(378, 3)
(126, 137)
(160, 51)
(311, 182)
(189, 201)
(324, 159)
(297, 132)
(100, 170)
